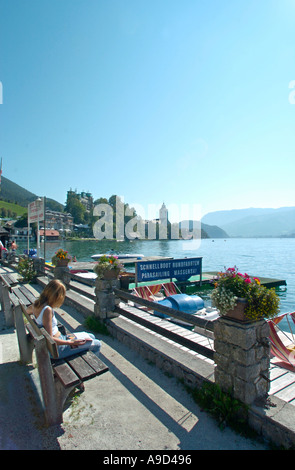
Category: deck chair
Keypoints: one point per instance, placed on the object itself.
(170, 288)
(287, 316)
(147, 293)
(292, 315)
(284, 353)
(155, 291)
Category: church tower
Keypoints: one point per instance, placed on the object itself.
(163, 214)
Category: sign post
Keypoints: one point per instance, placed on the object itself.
(35, 214)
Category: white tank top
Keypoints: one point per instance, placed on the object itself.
(39, 320)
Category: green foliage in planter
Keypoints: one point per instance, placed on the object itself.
(26, 269)
(230, 285)
(107, 263)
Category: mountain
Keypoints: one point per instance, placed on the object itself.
(211, 230)
(12, 192)
(254, 222)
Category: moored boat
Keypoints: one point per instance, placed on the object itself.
(118, 255)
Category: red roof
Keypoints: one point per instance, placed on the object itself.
(49, 233)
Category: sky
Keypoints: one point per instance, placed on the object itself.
(187, 102)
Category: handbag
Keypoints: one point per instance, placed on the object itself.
(61, 329)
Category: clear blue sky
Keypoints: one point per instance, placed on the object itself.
(182, 101)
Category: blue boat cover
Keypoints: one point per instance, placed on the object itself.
(182, 302)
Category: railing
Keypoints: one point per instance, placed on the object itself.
(170, 312)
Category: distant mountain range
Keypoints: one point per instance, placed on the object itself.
(246, 223)
(254, 222)
(211, 230)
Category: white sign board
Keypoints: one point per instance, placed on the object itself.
(36, 211)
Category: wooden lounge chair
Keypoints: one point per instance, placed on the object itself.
(286, 354)
(170, 288)
(155, 290)
(148, 293)
(287, 316)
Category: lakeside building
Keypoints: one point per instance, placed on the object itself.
(16, 233)
(50, 235)
(56, 224)
(61, 221)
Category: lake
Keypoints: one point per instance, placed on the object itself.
(265, 257)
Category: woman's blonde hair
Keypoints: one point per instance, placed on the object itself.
(53, 294)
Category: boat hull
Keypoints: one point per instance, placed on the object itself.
(119, 256)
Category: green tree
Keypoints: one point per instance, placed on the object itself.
(76, 208)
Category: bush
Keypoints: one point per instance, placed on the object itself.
(26, 269)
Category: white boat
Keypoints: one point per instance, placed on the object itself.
(118, 255)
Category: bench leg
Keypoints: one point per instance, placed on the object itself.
(7, 307)
(25, 342)
(51, 406)
(62, 394)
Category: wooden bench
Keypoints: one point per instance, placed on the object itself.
(6, 283)
(58, 377)
(9, 279)
(10, 292)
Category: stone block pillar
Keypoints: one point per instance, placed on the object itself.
(105, 298)
(63, 274)
(242, 359)
(39, 266)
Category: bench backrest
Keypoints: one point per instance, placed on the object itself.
(5, 281)
(51, 344)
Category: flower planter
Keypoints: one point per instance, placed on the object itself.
(111, 274)
(62, 263)
(238, 312)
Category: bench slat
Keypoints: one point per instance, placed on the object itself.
(28, 294)
(95, 363)
(66, 374)
(16, 291)
(14, 299)
(81, 367)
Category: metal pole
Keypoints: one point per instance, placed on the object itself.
(44, 206)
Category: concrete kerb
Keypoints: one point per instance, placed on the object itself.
(275, 421)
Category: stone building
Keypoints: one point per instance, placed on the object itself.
(61, 221)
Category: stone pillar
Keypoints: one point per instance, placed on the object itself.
(63, 274)
(242, 358)
(39, 266)
(105, 298)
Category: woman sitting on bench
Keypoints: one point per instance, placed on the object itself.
(53, 296)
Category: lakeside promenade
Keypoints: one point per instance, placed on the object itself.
(134, 406)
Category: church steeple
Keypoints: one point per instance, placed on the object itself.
(163, 214)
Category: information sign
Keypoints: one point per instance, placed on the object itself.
(36, 211)
(180, 269)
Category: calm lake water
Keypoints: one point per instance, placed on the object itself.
(269, 257)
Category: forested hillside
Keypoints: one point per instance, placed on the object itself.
(15, 194)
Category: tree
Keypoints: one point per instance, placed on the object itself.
(76, 208)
